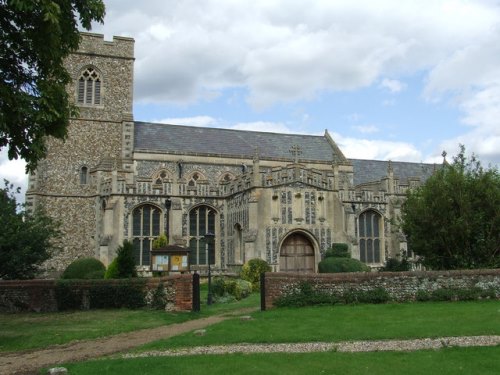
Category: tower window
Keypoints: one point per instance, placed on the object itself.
(84, 175)
(89, 87)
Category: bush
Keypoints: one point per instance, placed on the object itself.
(455, 294)
(375, 296)
(338, 250)
(100, 294)
(112, 271)
(161, 241)
(123, 266)
(238, 289)
(85, 268)
(334, 265)
(305, 295)
(251, 271)
(396, 265)
(159, 298)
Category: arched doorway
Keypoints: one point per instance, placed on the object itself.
(297, 254)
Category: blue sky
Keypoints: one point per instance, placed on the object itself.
(399, 80)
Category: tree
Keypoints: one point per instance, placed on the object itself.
(125, 262)
(25, 240)
(35, 37)
(453, 220)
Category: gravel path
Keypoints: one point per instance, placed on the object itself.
(347, 346)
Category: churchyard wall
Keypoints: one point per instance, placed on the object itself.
(40, 295)
(401, 286)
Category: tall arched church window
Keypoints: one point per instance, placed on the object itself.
(89, 87)
(84, 175)
(201, 222)
(369, 237)
(145, 228)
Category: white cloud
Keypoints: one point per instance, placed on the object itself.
(393, 85)
(356, 148)
(263, 126)
(190, 121)
(14, 172)
(281, 50)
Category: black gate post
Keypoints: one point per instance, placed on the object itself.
(262, 291)
(196, 292)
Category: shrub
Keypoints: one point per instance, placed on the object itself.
(125, 262)
(161, 241)
(159, 299)
(112, 271)
(375, 296)
(238, 289)
(455, 294)
(100, 294)
(396, 265)
(338, 250)
(84, 268)
(251, 271)
(334, 265)
(305, 295)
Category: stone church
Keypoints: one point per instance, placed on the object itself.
(284, 198)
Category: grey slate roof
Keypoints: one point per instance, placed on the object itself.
(196, 140)
(180, 139)
(374, 170)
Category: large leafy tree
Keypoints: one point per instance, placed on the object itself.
(453, 220)
(35, 37)
(26, 241)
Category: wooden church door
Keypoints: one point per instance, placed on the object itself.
(297, 254)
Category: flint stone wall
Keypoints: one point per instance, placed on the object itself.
(40, 295)
(401, 286)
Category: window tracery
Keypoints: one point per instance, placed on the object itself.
(89, 87)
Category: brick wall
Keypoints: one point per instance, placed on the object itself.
(40, 295)
(401, 286)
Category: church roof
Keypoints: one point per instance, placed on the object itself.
(374, 170)
(177, 139)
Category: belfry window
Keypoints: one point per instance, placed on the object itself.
(84, 175)
(145, 228)
(369, 237)
(89, 87)
(201, 222)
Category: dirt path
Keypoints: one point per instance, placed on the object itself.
(29, 362)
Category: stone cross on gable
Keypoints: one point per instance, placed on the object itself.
(295, 150)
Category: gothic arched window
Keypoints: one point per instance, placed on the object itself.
(369, 237)
(145, 228)
(201, 222)
(89, 87)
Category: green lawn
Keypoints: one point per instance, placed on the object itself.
(452, 361)
(38, 330)
(350, 322)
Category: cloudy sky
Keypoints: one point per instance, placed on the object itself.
(389, 79)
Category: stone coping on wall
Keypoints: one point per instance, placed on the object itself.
(357, 276)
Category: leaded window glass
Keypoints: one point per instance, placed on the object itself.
(145, 228)
(369, 237)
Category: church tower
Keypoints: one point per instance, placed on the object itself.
(99, 142)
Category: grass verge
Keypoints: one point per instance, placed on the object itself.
(38, 330)
(349, 322)
(451, 361)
